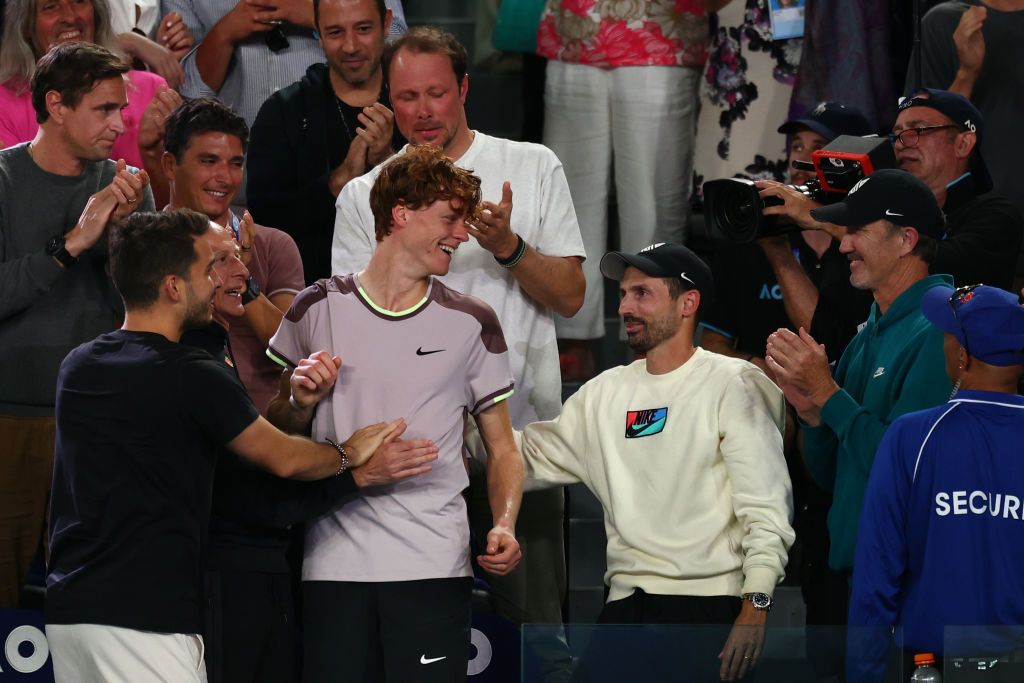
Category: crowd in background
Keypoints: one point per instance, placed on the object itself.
(275, 119)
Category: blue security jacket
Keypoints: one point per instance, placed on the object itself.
(941, 539)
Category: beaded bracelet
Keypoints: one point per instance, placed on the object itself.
(344, 457)
(516, 256)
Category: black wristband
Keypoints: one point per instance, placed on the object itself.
(252, 291)
(55, 248)
(516, 256)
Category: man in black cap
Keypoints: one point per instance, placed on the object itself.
(975, 48)
(936, 138)
(893, 366)
(682, 418)
(817, 128)
(776, 282)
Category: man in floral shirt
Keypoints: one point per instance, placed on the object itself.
(622, 85)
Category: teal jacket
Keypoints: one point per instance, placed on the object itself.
(895, 365)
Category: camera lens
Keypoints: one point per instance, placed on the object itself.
(733, 209)
(737, 211)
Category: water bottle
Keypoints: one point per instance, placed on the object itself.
(925, 671)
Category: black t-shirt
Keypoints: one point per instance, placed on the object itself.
(983, 238)
(748, 303)
(139, 423)
(252, 509)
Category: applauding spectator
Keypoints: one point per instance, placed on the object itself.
(975, 49)
(58, 194)
(31, 28)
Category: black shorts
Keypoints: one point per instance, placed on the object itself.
(398, 632)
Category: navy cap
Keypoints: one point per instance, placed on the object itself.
(830, 120)
(889, 194)
(991, 318)
(960, 111)
(663, 259)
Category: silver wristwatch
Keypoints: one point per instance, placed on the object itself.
(761, 601)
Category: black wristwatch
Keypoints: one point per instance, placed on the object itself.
(252, 291)
(55, 248)
(761, 601)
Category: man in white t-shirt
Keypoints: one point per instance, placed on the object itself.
(525, 262)
(684, 451)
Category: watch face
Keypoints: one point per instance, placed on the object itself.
(761, 600)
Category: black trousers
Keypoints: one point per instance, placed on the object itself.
(251, 635)
(638, 639)
(398, 632)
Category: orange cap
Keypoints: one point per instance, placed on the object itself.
(924, 658)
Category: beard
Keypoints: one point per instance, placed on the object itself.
(198, 311)
(653, 332)
(356, 79)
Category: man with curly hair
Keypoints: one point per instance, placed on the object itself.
(387, 577)
(524, 260)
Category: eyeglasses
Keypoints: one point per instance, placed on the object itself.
(961, 296)
(909, 137)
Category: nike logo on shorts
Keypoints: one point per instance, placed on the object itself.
(424, 660)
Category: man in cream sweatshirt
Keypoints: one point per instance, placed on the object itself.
(684, 451)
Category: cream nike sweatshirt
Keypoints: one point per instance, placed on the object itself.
(689, 469)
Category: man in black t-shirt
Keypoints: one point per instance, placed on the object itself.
(250, 630)
(139, 420)
(795, 280)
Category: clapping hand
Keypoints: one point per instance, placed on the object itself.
(492, 227)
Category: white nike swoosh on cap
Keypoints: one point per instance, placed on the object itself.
(892, 213)
(424, 660)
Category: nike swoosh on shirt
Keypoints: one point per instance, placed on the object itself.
(424, 660)
(421, 352)
(655, 427)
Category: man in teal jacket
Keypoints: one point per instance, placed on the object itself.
(893, 366)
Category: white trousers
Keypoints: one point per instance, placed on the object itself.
(93, 653)
(643, 119)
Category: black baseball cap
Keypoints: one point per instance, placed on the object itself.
(889, 194)
(663, 259)
(960, 111)
(830, 120)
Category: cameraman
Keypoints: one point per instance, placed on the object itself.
(812, 278)
(775, 283)
(936, 139)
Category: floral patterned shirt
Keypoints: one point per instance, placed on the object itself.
(610, 33)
